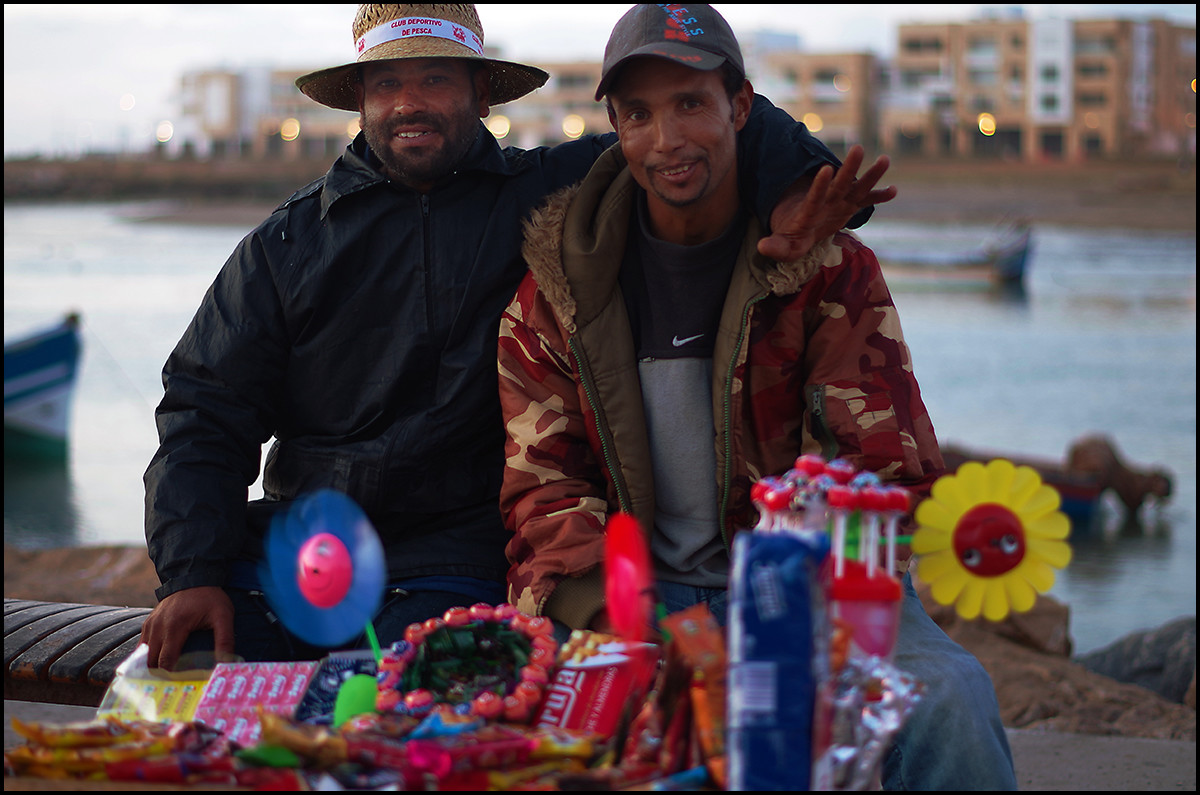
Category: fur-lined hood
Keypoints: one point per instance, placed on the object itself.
(575, 241)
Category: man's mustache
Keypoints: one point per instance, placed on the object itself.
(419, 119)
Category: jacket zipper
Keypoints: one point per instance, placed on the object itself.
(821, 430)
(602, 430)
(727, 420)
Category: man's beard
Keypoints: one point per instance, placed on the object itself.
(426, 167)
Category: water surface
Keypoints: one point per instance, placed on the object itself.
(1104, 340)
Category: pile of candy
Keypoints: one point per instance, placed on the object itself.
(797, 693)
(109, 749)
(813, 620)
(597, 724)
(815, 496)
(494, 660)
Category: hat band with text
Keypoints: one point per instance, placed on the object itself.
(410, 27)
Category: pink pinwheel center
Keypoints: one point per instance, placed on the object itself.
(325, 571)
(989, 540)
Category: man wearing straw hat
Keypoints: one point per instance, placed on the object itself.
(357, 327)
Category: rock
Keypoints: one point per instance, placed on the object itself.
(1039, 686)
(1162, 660)
(1045, 628)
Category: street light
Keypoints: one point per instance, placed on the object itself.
(573, 126)
(499, 126)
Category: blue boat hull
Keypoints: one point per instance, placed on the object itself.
(40, 372)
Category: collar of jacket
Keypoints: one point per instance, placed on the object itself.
(357, 169)
(574, 245)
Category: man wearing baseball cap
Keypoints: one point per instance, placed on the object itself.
(656, 362)
(356, 327)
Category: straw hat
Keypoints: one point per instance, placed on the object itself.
(388, 32)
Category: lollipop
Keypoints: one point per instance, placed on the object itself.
(772, 497)
(897, 505)
(324, 573)
(628, 587)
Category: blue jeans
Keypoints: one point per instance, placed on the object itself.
(259, 636)
(954, 739)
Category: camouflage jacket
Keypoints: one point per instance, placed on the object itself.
(809, 358)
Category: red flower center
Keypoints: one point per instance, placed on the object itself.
(989, 540)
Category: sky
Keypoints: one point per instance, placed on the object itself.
(103, 76)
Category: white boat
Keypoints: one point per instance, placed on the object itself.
(40, 372)
(1000, 262)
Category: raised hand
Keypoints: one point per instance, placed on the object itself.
(813, 210)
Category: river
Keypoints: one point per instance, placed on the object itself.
(1103, 340)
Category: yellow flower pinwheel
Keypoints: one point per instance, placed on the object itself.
(990, 536)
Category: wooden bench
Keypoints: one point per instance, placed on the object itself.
(62, 653)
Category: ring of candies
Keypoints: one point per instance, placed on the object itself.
(490, 662)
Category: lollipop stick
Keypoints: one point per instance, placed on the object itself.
(839, 543)
(872, 546)
(374, 641)
(890, 532)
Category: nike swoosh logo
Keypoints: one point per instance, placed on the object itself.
(681, 342)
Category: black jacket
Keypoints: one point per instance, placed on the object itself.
(357, 326)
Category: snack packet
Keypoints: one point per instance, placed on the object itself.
(138, 692)
(778, 658)
(597, 677)
(701, 641)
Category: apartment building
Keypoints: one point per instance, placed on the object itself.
(1036, 90)
(835, 94)
(256, 112)
(999, 87)
(561, 110)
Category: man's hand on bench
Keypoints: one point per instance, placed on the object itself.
(181, 614)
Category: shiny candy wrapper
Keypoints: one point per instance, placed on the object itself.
(869, 703)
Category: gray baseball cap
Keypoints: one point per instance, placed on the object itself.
(693, 35)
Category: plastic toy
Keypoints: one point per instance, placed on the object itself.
(989, 539)
(324, 572)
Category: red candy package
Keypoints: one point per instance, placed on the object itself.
(597, 676)
(237, 691)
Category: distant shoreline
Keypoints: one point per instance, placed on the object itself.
(1152, 195)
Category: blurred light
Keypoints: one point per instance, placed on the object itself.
(352, 129)
(128, 101)
(1091, 120)
(1189, 120)
(573, 126)
(842, 83)
(499, 126)
(909, 130)
(1193, 85)
(813, 122)
(987, 124)
(164, 131)
(290, 130)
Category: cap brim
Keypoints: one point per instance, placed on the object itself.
(679, 53)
